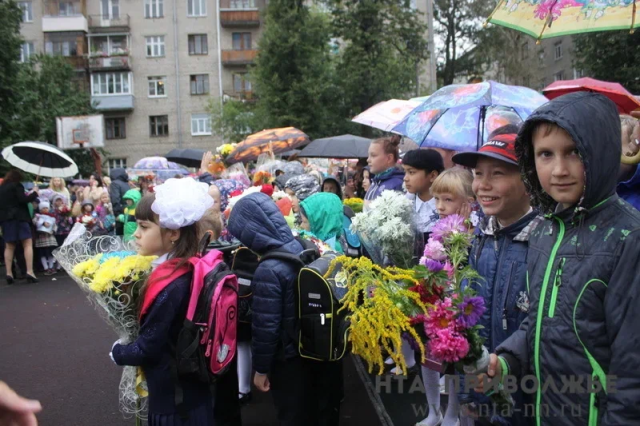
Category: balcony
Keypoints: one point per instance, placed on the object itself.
(108, 24)
(238, 57)
(239, 18)
(63, 16)
(112, 102)
(110, 63)
(78, 63)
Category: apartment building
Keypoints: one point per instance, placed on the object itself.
(553, 60)
(151, 66)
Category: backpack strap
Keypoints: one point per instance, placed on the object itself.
(159, 279)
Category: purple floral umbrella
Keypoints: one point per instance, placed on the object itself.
(460, 117)
(157, 163)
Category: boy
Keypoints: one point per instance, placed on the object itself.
(582, 270)
(128, 218)
(499, 251)
(421, 168)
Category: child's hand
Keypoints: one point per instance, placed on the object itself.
(261, 381)
(494, 372)
(465, 211)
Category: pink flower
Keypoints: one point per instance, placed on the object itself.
(439, 318)
(448, 346)
(448, 225)
(448, 267)
(434, 250)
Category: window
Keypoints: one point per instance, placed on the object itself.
(200, 124)
(524, 50)
(66, 9)
(159, 125)
(558, 51)
(110, 83)
(200, 84)
(242, 4)
(109, 45)
(153, 8)
(155, 46)
(558, 76)
(110, 9)
(578, 73)
(198, 44)
(157, 87)
(197, 8)
(541, 58)
(117, 163)
(241, 84)
(241, 41)
(63, 44)
(26, 50)
(27, 11)
(115, 128)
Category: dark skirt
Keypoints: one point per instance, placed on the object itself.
(14, 231)
(200, 416)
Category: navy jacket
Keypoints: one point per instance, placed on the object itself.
(383, 182)
(13, 202)
(152, 350)
(257, 222)
(119, 186)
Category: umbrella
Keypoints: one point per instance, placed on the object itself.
(158, 163)
(41, 159)
(291, 153)
(187, 156)
(625, 101)
(344, 146)
(273, 140)
(460, 117)
(553, 18)
(385, 115)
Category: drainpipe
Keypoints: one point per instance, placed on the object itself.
(219, 50)
(177, 61)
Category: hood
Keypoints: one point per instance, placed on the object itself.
(134, 195)
(324, 211)
(303, 186)
(394, 173)
(119, 174)
(333, 179)
(592, 121)
(60, 196)
(258, 223)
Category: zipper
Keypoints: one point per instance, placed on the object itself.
(506, 298)
(543, 293)
(556, 287)
(593, 404)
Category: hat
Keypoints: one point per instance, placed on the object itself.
(424, 159)
(500, 147)
(44, 204)
(303, 186)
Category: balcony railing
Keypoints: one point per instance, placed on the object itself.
(238, 57)
(104, 23)
(239, 18)
(79, 63)
(245, 95)
(109, 63)
(240, 4)
(64, 8)
(113, 102)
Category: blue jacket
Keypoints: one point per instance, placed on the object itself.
(629, 190)
(385, 182)
(257, 222)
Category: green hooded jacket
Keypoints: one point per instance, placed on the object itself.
(129, 216)
(325, 212)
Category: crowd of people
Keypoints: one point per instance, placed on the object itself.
(555, 244)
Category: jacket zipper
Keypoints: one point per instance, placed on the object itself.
(556, 287)
(543, 293)
(506, 298)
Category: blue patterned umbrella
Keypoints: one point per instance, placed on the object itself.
(460, 117)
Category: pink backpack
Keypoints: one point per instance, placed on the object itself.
(207, 342)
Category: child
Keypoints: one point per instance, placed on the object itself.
(331, 184)
(89, 218)
(64, 221)
(105, 213)
(305, 392)
(383, 159)
(169, 231)
(321, 217)
(45, 223)
(131, 198)
(453, 194)
(582, 268)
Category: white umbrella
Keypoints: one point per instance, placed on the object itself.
(386, 115)
(41, 159)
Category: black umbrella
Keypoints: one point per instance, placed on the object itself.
(189, 157)
(41, 159)
(345, 146)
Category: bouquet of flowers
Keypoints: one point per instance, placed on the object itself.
(225, 149)
(388, 230)
(111, 274)
(261, 177)
(355, 204)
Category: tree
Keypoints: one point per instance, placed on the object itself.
(610, 56)
(293, 76)
(234, 120)
(383, 44)
(10, 19)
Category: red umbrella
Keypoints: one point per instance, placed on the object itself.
(625, 101)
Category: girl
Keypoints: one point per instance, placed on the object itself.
(58, 185)
(321, 217)
(89, 218)
(45, 223)
(454, 195)
(64, 221)
(93, 192)
(105, 213)
(383, 157)
(169, 230)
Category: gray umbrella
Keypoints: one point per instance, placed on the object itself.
(344, 146)
(187, 156)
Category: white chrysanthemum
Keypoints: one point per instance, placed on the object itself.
(181, 202)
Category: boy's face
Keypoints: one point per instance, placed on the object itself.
(418, 181)
(330, 186)
(500, 190)
(129, 202)
(558, 165)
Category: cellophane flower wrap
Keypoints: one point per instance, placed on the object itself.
(388, 231)
(355, 204)
(111, 274)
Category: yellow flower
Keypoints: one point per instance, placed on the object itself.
(87, 268)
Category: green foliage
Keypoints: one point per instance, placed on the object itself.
(234, 120)
(10, 18)
(610, 56)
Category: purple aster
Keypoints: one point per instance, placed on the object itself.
(432, 265)
(471, 309)
(448, 225)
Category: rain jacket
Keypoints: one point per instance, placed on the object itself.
(384, 181)
(129, 215)
(325, 214)
(257, 222)
(584, 283)
(119, 186)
